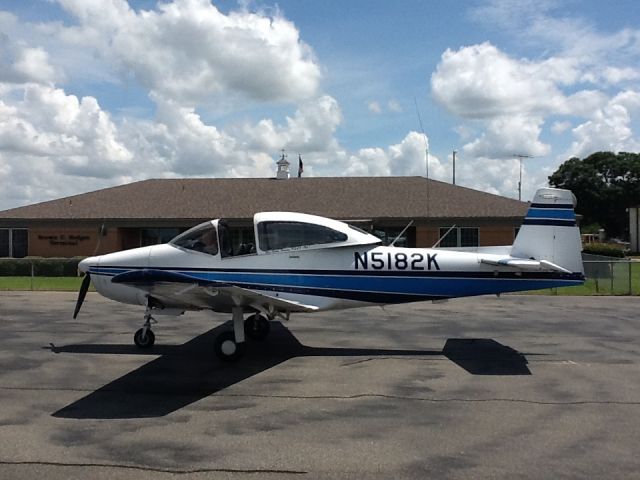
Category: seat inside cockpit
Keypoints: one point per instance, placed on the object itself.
(236, 239)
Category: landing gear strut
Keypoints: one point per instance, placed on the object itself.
(144, 337)
(230, 346)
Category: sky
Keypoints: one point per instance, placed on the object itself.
(97, 93)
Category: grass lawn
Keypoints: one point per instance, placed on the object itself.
(62, 284)
(603, 286)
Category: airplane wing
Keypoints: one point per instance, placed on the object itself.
(184, 291)
(523, 263)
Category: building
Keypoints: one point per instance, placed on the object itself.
(153, 211)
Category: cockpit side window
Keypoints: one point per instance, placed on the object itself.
(201, 238)
(278, 235)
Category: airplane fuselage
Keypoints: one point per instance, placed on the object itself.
(331, 278)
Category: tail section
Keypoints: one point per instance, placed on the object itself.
(549, 231)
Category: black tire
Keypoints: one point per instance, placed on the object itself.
(257, 327)
(227, 349)
(146, 342)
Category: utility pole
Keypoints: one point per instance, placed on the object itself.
(454, 166)
(520, 157)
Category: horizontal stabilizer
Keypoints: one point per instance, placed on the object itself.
(524, 264)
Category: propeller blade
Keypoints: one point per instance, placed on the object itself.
(82, 293)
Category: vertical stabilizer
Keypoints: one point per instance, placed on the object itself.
(549, 231)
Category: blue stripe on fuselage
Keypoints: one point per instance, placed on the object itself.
(375, 287)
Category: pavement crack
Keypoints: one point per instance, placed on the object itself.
(155, 469)
(189, 392)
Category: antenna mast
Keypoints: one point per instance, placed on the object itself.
(520, 157)
(426, 151)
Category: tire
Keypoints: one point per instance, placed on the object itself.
(147, 341)
(257, 327)
(227, 349)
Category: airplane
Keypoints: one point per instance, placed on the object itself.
(307, 263)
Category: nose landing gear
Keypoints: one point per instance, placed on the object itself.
(144, 337)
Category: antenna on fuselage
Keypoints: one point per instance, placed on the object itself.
(400, 234)
(443, 236)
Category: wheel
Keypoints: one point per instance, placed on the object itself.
(226, 347)
(257, 327)
(145, 341)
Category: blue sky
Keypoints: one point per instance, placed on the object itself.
(95, 93)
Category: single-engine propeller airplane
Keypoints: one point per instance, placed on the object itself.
(306, 263)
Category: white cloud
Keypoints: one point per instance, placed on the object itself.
(507, 136)
(401, 159)
(192, 51)
(480, 81)
(75, 134)
(377, 108)
(560, 127)
(616, 75)
(22, 64)
(394, 106)
(374, 107)
(609, 128)
(53, 144)
(310, 129)
(510, 100)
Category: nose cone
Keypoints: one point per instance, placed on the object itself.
(87, 263)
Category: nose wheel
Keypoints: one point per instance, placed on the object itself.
(144, 337)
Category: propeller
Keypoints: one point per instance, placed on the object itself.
(82, 293)
(84, 266)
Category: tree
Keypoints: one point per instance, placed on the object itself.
(606, 184)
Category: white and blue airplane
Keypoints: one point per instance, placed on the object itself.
(306, 263)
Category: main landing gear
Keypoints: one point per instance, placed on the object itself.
(229, 346)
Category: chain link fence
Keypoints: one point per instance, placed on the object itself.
(605, 275)
(613, 277)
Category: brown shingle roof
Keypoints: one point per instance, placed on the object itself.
(338, 197)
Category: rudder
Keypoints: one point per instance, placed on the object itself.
(549, 230)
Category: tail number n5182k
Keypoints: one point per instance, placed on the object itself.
(395, 261)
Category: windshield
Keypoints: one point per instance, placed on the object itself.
(201, 238)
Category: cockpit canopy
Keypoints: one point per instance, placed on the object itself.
(275, 231)
(288, 230)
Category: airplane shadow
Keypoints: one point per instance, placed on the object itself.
(184, 374)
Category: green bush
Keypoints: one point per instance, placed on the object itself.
(41, 267)
(606, 249)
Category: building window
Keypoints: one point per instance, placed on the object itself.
(389, 234)
(14, 242)
(459, 237)
(5, 250)
(154, 236)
